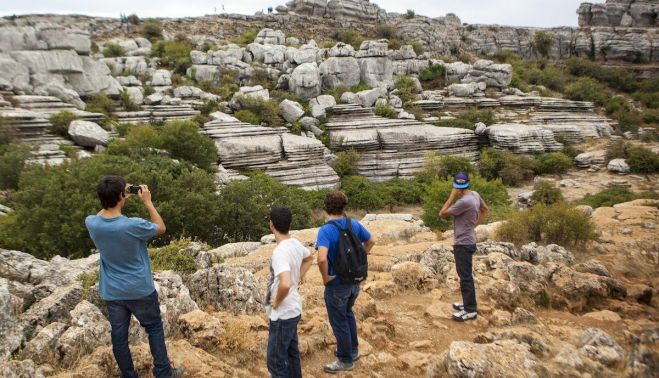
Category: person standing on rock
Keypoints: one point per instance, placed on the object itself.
(339, 235)
(125, 282)
(290, 262)
(468, 212)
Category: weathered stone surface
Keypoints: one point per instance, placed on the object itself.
(22, 267)
(522, 139)
(20, 369)
(88, 134)
(320, 104)
(504, 358)
(233, 250)
(339, 71)
(599, 346)
(291, 111)
(41, 349)
(136, 95)
(174, 297)
(618, 166)
(376, 71)
(89, 329)
(305, 81)
(271, 37)
(11, 335)
(55, 307)
(228, 288)
(161, 78)
(413, 276)
(14, 76)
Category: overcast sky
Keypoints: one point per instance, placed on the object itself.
(545, 13)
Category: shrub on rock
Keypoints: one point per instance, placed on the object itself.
(439, 167)
(512, 169)
(152, 30)
(552, 163)
(642, 160)
(112, 50)
(346, 163)
(546, 193)
(61, 122)
(12, 163)
(183, 141)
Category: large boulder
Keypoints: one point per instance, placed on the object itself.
(88, 134)
(89, 329)
(136, 95)
(305, 81)
(227, 288)
(320, 104)
(368, 97)
(618, 166)
(14, 76)
(599, 346)
(55, 307)
(291, 111)
(203, 73)
(22, 267)
(174, 298)
(339, 71)
(376, 71)
(269, 36)
(11, 335)
(161, 78)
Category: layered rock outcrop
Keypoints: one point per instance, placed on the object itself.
(614, 13)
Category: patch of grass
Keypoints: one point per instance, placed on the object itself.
(552, 163)
(385, 110)
(607, 197)
(513, 169)
(407, 88)
(173, 257)
(417, 46)
(174, 55)
(100, 103)
(88, 279)
(112, 50)
(246, 37)
(350, 37)
(642, 160)
(433, 72)
(61, 122)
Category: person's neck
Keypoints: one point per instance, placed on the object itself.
(334, 216)
(112, 212)
(465, 192)
(281, 237)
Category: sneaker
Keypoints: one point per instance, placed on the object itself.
(464, 315)
(338, 366)
(459, 306)
(178, 372)
(355, 358)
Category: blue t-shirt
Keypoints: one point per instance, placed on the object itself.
(328, 237)
(125, 271)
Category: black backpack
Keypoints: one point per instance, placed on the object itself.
(350, 263)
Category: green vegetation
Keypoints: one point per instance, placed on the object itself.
(440, 167)
(513, 170)
(467, 119)
(246, 37)
(611, 196)
(542, 42)
(494, 193)
(174, 55)
(554, 224)
(385, 110)
(100, 103)
(256, 111)
(127, 102)
(174, 256)
(363, 194)
(346, 163)
(349, 37)
(552, 163)
(410, 14)
(133, 19)
(417, 46)
(642, 160)
(407, 88)
(433, 72)
(152, 30)
(111, 50)
(88, 279)
(546, 193)
(12, 163)
(61, 122)
(385, 32)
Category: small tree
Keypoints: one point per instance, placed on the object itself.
(552, 163)
(152, 30)
(61, 122)
(546, 193)
(346, 163)
(642, 160)
(543, 41)
(410, 14)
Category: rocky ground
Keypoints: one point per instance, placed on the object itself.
(544, 310)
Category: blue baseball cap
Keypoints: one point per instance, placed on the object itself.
(461, 181)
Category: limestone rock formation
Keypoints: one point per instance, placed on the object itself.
(305, 81)
(227, 288)
(337, 9)
(88, 134)
(613, 13)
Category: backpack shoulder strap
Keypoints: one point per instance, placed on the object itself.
(337, 226)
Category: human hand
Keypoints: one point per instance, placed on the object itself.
(328, 279)
(145, 194)
(273, 302)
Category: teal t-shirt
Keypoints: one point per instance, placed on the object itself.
(125, 271)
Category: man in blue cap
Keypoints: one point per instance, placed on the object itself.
(468, 212)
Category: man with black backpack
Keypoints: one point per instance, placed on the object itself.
(342, 246)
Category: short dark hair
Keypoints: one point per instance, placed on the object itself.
(335, 203)
(281, 218)
(110, 190)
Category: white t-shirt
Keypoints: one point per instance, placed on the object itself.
(287, 257)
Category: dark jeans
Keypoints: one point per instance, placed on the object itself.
(463, 258)
(147, 311)
(283, 351)
(339, 300)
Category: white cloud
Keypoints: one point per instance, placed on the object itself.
(544, 13)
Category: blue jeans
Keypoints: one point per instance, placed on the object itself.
(147, 311)
(463, 265)
(283, 351)
(339, 300)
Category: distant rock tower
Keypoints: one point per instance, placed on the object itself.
(614, 13)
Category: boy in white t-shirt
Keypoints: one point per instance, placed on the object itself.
(290, 262)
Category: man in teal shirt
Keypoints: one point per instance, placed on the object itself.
(126, 282)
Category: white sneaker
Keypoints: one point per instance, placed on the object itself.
(464, 315)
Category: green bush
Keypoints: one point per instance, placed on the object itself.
(512, 169)
(61, 122)
(385, 110)
(404, 192)
(246, 37)
(410, 14)
(494, 193)
(209, 107)
(128, 104)
(245, 207)
(555, 224)
(552, 163)
(94, 48)
(394, 44)
(546, 193)
(184, 195)
(628, 120)
(262, 111)
(133, 19)
(456, 122)
(549, 76)
(152, 30)
(346, 163)
(123, 128)
(363, 194)
(417, 46)
(183, 141)
(407, 87)
(112, 50)
(587, 89)
(88, 279)
(616, 149)
(607, 197)
(439, 167)
(543, 41)
(100, 103)
(642, 160)
(173, 256)
(12, 163)
(617, 78)
(433, 72)
(139, 140)
(385, 31)
(173, 54)
(361, 86)
(7, 134)
(350, 37)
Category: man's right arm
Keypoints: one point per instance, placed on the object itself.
(145, 196)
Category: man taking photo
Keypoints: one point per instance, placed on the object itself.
(126, 282)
